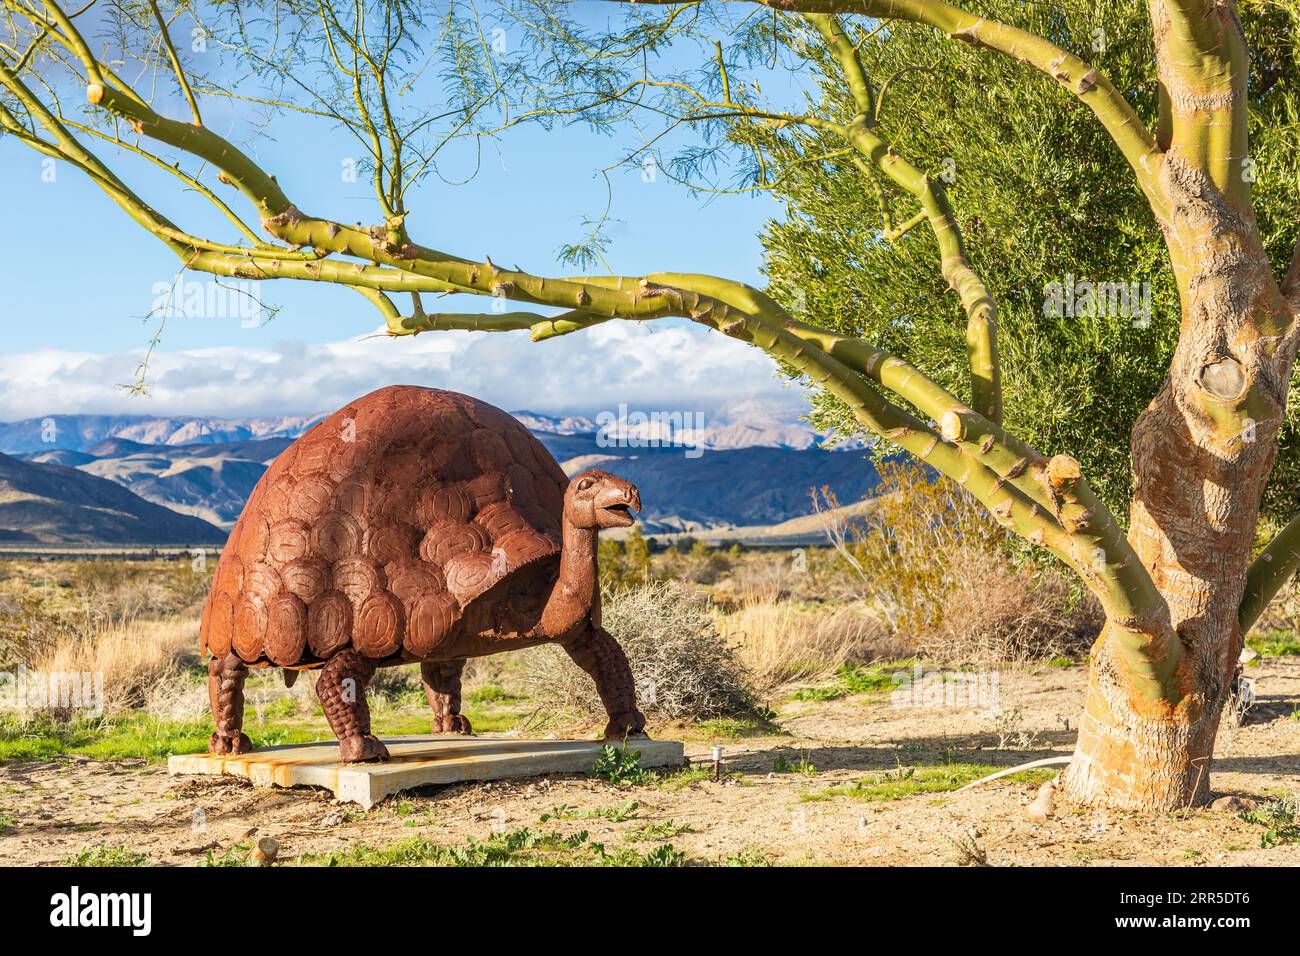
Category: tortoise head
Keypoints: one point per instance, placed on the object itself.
(596, 499)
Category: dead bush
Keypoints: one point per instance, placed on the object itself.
(995, 612)
(683, 668)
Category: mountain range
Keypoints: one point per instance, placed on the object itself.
(186, 479)
(44, 503)
(80, 432)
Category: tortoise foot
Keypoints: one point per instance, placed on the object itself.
(362, 748)
(626, 726)
(452, 724)
(240, 744)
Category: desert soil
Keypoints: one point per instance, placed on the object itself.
(55, 808)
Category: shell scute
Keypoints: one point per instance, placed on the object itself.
(221, 622)
(329, 623)
(410, 579)
(448, 538)
(378, 625)
(430, 620)
(391, 542)
(470, 573)
(307, 578)
(250, 626)
(287, 541)
(262, 580)
(357, 578)
(500, 518)
(438, 502)
(336, 536)
(311, 498)
(286, 629)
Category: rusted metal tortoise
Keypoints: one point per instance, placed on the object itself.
(413, 525)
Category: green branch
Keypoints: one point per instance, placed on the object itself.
(977, 302)
(1270, 570)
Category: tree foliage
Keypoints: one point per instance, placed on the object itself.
(1042, 195)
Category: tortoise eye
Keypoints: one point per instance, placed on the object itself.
(585, 484)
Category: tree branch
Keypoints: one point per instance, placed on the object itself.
(981, 311)
(1271, 569)
(165, 33)
(1045, 501)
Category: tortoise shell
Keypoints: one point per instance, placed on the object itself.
(386, 527)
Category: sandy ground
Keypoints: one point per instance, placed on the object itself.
(56, 808)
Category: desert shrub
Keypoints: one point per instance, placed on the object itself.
(683, 668)
(624, 564)
(1283, 613)
(695, 561)
(25, 626)
(950, 581)
(780, 641)
(807, 574)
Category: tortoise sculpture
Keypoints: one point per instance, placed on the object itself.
(412, 525)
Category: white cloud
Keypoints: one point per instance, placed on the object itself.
(661, 366)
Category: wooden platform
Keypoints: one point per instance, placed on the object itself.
(415, 762)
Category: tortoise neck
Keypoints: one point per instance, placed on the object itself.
(573, 598)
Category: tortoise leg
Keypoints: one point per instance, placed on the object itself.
(442, 688)
(226, 697)
(597, 653)
(342, 692)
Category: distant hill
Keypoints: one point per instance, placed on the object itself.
(43, 503)
(709, 484)
(211, 482)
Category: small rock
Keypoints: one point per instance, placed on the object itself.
(1041, 809)
(265, 852)
(332, 820)
(1235, 804)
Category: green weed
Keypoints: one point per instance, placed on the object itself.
(107, 856)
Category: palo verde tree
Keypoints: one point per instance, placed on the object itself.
(1178, 586)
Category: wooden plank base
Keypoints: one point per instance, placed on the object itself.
(416, 762)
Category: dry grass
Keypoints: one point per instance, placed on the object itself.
(137, 658)
(780, 641)
(44, 604)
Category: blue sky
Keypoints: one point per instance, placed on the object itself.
(81, 278)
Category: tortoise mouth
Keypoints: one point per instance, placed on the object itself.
(620, 515)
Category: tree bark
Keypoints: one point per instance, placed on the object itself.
(1201, 454)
